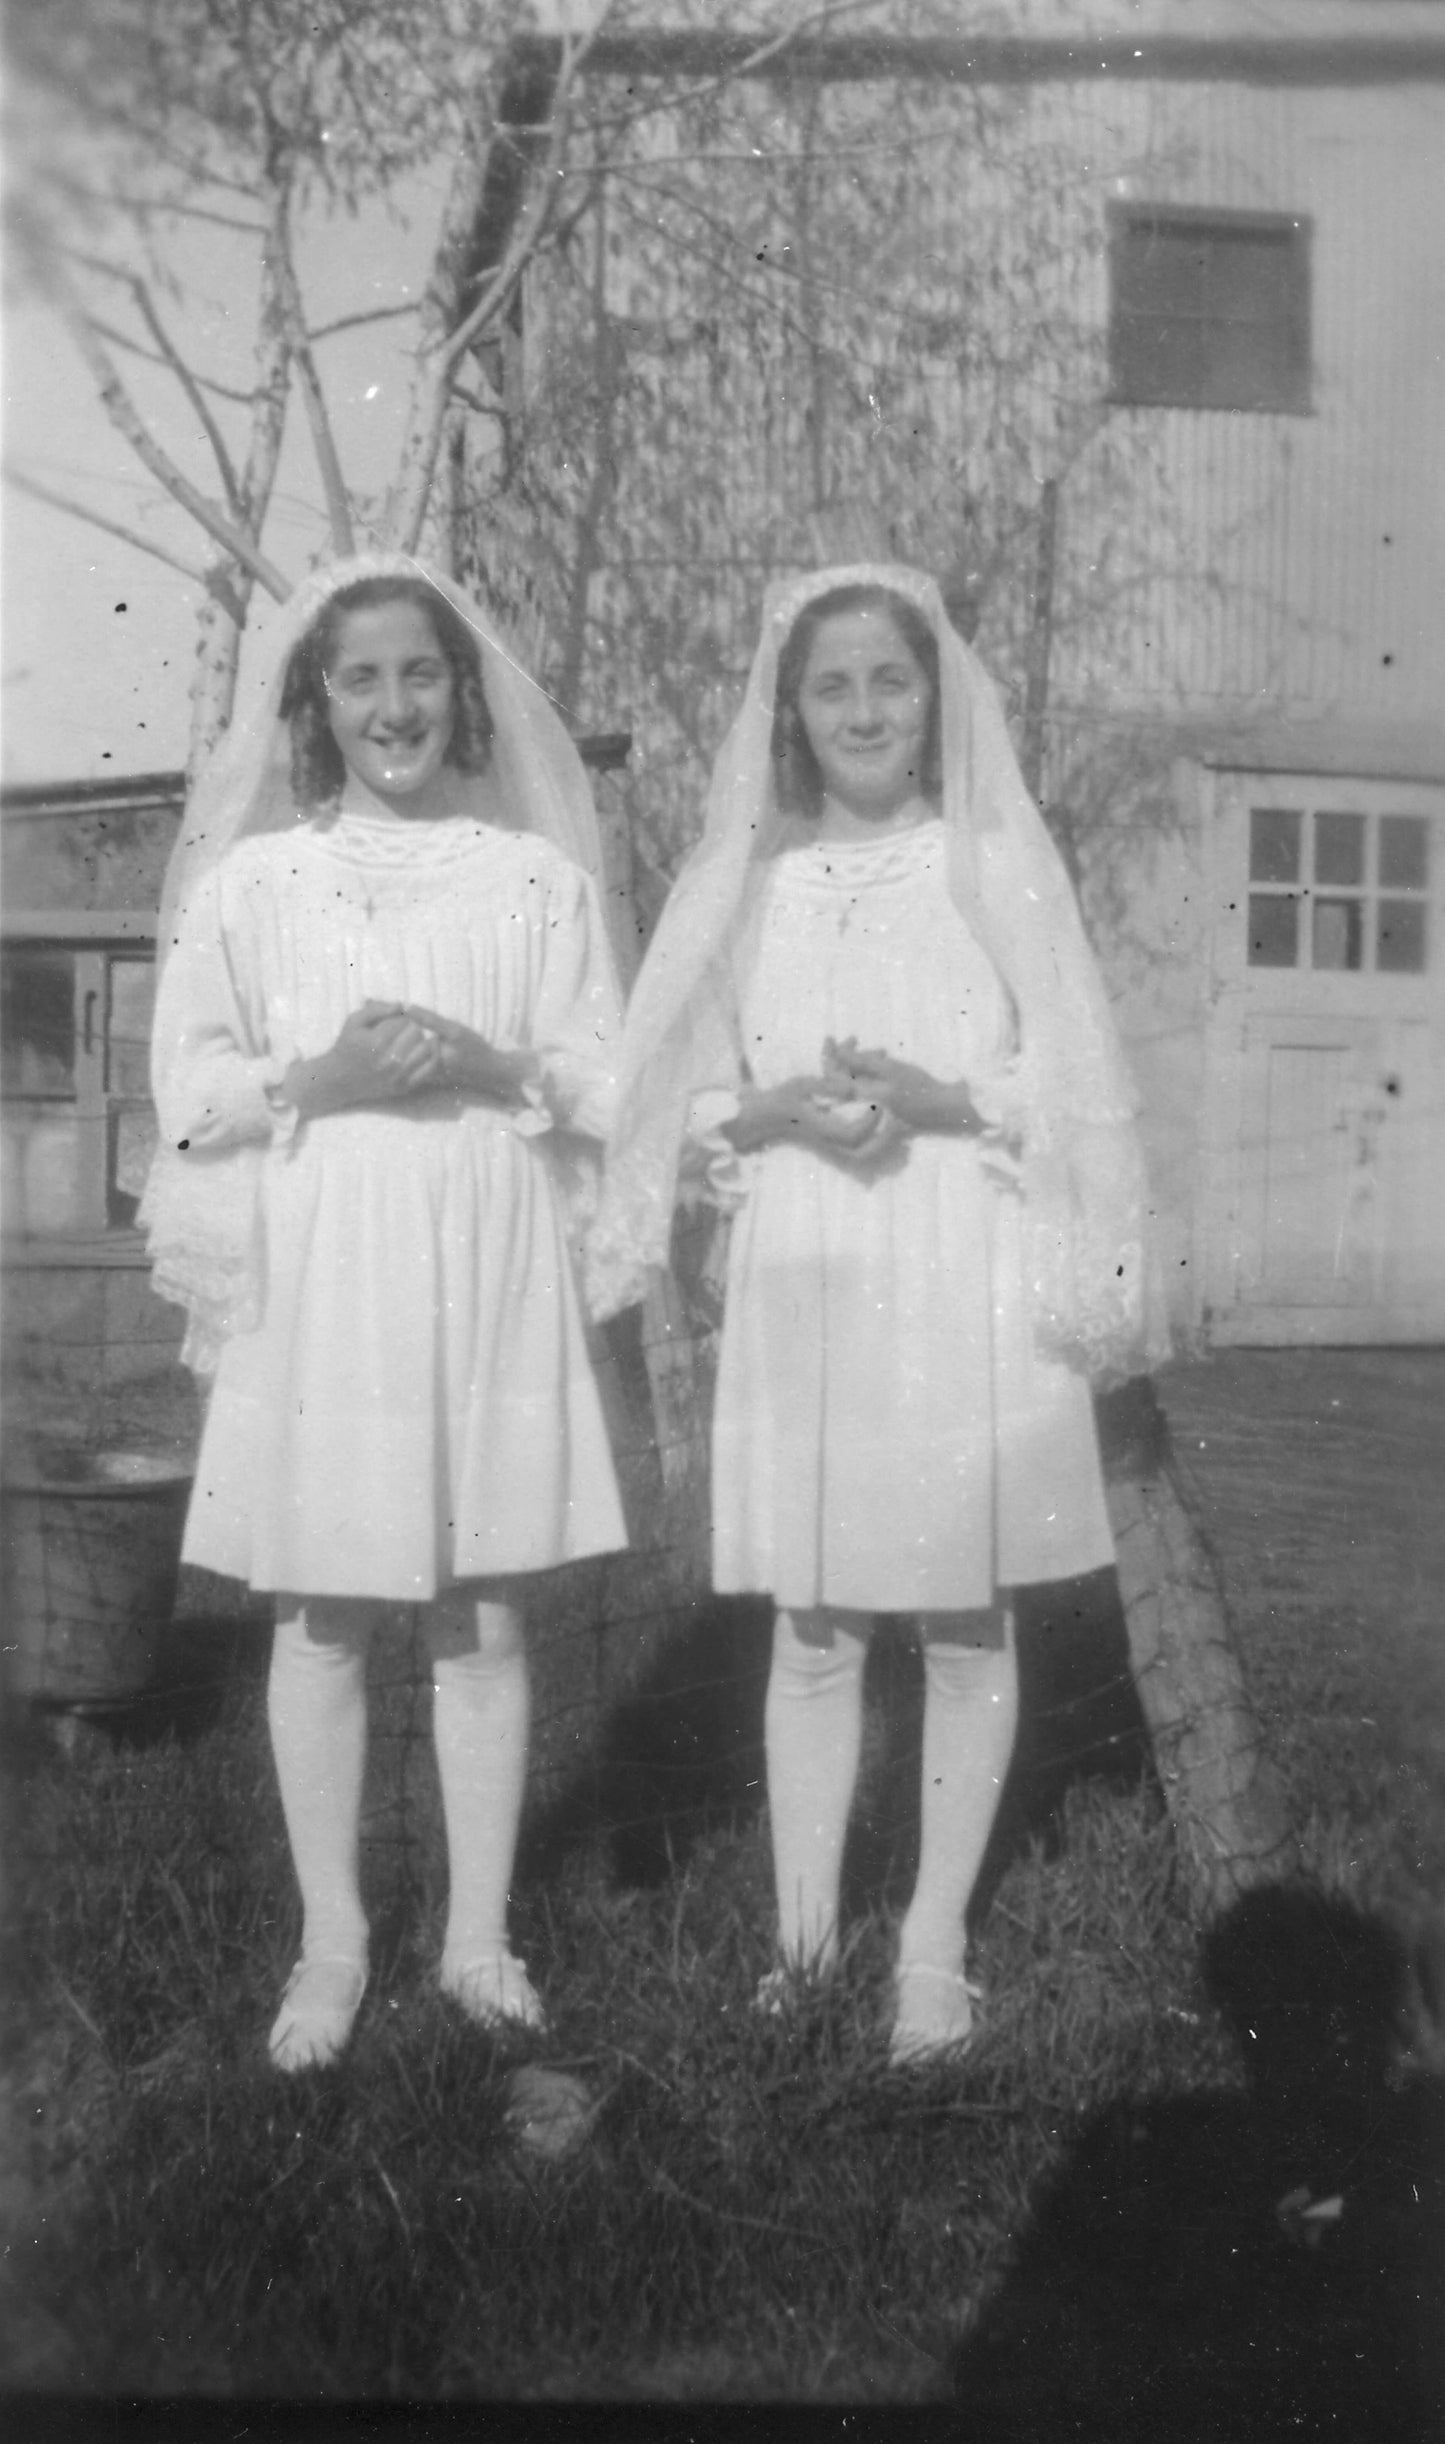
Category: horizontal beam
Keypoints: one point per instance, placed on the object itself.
(66, 925)
(1016, 59)
(601, 751)
(136, 791)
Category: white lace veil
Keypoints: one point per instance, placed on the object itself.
(1091, 1273)
(200, 1210)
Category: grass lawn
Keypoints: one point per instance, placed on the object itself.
(761, 2209)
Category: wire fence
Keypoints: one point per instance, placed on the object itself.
(648, 1689)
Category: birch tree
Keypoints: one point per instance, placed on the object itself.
(148, 134)
(142, 127)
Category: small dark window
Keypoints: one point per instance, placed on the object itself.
(1273, 931)
(37, 1006)
(1209, 309)
(1400, 948)
(1404, 852)
(1340, 849)
(1361, 879)
(1335, 934)
(1274, 844)
(77, 1130)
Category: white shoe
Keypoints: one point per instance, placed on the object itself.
(494, 1990)
(785, 1988)
(318, 2012)
(934, 2016)
(777, 1993)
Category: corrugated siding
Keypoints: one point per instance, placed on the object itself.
(931, 345)
(1308, 553)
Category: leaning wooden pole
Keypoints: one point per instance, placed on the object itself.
(1224, 1795)
(1223, 1792)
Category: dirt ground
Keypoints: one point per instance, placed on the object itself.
(1319, 1476)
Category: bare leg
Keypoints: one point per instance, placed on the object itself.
(813, 1727)
(482, 1716)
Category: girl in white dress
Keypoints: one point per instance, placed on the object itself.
(384, 1034)
(870, 1021)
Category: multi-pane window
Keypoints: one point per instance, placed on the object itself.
(77, 1123)
(1209, 309)
(1332, 889)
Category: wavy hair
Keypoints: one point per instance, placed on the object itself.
(798, 780)
(318, 770)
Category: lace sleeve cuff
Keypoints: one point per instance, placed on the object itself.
(712, 1170)
(282, 1113)
(1001, 1102)
(535, 1115)
(235, 1102)
(572, 1091)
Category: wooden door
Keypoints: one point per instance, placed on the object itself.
(1324, 1175)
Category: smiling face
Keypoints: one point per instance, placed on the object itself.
(864, 701)
(390, 699)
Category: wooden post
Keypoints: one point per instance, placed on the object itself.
(1223, 1793)
(1041, 629)
(675, 1389)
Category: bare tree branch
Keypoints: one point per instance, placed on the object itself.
(448, 330)
(112, 199)
(146, 307)
(751, 64)
(531, 227)
(357, 322)
(109, 526)
(224, 613)
(333, 482)
(127, 342)
(895, 307)
(129, 423)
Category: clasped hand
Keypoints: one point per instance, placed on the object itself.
(916, 1099)
(827, 1112)
(387, 1051)
(859, 1107)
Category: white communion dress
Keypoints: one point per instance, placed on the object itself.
(416, 1404)
(887, 1438)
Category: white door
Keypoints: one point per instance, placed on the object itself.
(1323, 1212)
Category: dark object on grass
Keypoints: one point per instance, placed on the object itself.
(92, 1547)
(1234, 2266)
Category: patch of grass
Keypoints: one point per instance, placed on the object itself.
(764, 2208)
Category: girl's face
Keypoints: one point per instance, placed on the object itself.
(864, 702)
(390, 694)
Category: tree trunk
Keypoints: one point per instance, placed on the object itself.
(221, 620)
(1222, 1789)
(213, 682)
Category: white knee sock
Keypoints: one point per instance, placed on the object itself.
(813, 1725)
(482, 1713)
(970, 1711)
(316, 1704)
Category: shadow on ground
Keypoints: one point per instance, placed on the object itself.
(682, 1753)
(1079, 1721)
(1240, 2265)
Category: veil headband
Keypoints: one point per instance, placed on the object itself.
(201, 1210)
(1091, 1279)
(246, 784)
